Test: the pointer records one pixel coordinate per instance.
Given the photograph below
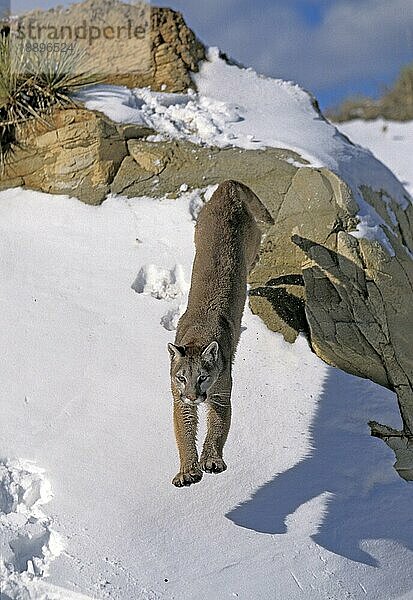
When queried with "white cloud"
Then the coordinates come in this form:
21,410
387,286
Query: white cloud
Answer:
362,39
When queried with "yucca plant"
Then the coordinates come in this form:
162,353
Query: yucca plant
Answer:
32,83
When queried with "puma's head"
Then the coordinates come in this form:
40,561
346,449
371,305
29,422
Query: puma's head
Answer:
194,372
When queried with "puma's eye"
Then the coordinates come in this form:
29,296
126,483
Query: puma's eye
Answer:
202,378
181,378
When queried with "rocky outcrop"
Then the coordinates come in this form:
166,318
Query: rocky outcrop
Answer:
86,155
128,44
175,50
352,296
357,293
78,155
358,307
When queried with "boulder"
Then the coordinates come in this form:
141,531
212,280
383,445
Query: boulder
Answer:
78,153
126,44
358,292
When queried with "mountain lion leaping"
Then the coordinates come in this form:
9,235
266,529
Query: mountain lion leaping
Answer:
227,241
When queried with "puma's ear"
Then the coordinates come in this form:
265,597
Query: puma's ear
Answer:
176,351
211,352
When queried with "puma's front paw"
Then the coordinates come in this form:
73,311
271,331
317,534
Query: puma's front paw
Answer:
188,476
212,464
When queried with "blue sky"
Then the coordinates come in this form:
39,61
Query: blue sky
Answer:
333,48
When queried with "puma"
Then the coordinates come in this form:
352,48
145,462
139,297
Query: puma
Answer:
227,242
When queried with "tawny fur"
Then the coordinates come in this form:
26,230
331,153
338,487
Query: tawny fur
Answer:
227,241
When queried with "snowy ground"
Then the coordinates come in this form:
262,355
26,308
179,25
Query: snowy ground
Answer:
390,141
310,506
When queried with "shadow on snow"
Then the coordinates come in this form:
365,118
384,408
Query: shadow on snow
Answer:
367,499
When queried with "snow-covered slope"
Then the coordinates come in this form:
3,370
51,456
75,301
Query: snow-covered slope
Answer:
309,506
237,107
390,141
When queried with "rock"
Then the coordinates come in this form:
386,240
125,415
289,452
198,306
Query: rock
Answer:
129,177
356,295
152,162
126,44
358,310
401,444
134,131
160,168
277,279
79,156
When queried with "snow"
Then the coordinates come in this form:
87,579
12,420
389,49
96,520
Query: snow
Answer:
238,107
310,506
164,284
28,543
161,283
369,229
390,141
